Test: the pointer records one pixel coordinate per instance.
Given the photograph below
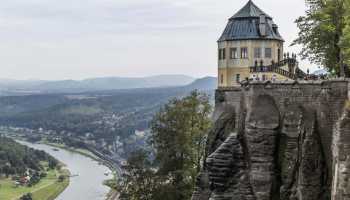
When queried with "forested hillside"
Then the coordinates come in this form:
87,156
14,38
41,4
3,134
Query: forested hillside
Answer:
107,119
16,159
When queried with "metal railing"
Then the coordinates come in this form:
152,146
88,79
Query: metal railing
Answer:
276,67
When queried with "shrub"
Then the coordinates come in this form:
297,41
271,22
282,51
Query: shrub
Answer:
27,197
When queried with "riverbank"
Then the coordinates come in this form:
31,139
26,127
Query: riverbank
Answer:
47,189
87,182
82,152
113,194
89,153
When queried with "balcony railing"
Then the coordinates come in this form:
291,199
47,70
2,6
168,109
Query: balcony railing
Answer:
276,67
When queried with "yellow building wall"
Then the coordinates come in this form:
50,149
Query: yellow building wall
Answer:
227,77
229,68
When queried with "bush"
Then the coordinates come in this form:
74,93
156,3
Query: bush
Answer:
61,178
27,197
43,175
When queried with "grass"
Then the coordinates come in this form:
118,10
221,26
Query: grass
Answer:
47,189
52,191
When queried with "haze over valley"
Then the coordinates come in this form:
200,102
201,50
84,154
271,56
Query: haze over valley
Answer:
175,100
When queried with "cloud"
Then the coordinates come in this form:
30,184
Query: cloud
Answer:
82,16
82,38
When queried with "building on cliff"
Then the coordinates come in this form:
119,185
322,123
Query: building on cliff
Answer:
251,47
273,140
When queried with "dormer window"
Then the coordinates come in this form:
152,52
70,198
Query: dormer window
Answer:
244,52
275,28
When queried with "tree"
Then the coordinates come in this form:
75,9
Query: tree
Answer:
322,32
345,41
61,178
138,181
178,136
27,197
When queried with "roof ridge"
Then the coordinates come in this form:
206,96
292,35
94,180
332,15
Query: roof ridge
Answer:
249,10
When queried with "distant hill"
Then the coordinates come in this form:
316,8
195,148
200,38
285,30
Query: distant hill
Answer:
104,114
206,83
15,104
94,84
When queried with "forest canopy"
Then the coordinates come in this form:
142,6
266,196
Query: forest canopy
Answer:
16,159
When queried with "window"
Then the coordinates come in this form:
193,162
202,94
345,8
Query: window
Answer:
238,78
222,54
257,53
222,79
233,53
268,53
244,52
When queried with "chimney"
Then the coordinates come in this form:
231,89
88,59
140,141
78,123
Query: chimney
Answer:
262,25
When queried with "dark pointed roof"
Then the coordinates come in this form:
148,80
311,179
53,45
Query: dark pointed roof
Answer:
244,25
250,10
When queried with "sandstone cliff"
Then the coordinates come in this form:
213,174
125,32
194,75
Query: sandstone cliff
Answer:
280,141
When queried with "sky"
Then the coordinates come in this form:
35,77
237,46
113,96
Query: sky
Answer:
77,39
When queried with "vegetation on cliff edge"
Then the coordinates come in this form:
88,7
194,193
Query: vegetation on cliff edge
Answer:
325,33
179,132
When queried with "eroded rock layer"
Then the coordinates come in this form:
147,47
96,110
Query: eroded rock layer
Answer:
287,141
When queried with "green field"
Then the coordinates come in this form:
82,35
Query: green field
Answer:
47,189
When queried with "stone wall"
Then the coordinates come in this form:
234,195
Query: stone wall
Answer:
278,141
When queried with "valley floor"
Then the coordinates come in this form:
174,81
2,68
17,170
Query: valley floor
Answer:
47,189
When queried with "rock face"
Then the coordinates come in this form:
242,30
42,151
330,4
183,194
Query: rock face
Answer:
280,141
341,153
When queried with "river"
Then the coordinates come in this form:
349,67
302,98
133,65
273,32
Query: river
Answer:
88,185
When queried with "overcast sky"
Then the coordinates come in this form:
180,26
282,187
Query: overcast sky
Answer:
76,39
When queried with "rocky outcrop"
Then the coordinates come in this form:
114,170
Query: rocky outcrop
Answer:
341,153
278,142
261,131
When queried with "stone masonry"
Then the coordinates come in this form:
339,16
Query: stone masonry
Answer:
279,141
